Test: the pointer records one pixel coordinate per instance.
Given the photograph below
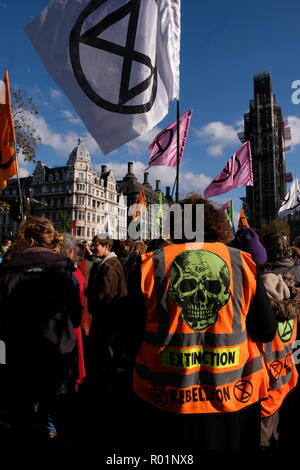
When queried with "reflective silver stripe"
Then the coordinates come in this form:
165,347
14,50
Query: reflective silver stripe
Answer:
268,349
282,380
202,377
276,355
237,274
160,278
195,339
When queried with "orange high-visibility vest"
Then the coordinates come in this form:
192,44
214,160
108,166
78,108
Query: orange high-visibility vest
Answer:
196,356
283,375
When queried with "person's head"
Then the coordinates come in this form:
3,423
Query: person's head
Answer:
246,239
101,245
276,245
216,224
38,232
69,246
296,242
138,248
7,243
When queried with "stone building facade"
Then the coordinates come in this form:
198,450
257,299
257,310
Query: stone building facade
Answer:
78,199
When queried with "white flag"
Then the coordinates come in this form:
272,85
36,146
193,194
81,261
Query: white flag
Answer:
291,202
116,60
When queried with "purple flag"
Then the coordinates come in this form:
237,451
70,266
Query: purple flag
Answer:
237,173
164,146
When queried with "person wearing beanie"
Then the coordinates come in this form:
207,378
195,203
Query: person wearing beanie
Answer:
246,239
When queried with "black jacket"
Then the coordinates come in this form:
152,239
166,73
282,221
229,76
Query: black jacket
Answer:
39,308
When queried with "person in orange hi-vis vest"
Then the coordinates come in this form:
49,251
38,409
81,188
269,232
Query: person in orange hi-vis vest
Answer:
199,376
280,278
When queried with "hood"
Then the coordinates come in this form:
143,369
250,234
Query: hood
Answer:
37,256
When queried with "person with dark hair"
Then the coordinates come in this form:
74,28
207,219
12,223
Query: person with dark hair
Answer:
105,292
198,376
157,243
40,307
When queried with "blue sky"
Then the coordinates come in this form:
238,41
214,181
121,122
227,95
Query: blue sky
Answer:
223,44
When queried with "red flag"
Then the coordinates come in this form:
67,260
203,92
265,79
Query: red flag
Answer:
74,228
237,173
164,146
8,165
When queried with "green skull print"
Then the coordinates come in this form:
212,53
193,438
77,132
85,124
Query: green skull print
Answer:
200,286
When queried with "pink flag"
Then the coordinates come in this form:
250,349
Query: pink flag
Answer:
237,173
164,146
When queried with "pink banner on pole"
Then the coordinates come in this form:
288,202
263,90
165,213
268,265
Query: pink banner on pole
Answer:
237,173
164,146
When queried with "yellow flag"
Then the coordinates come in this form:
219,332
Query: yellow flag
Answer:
8,165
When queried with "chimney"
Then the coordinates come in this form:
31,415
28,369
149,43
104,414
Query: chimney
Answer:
130,168
168,191
103,168
146,178
157,185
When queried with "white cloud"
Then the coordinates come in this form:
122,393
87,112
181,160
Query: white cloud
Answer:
218,136
68,115
55,94
294,123
63,143
141,144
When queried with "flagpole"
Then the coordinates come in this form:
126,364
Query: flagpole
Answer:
177,151
19,185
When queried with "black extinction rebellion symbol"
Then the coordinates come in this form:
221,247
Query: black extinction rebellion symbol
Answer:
162,142
5,165
92,39
243,390
275,369
285,330
159,395
229,171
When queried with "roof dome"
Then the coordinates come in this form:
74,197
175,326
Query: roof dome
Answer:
79,154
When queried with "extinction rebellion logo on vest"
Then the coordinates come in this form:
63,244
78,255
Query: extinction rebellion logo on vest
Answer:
135,63
285,330
241,391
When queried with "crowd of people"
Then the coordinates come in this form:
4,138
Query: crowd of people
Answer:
168,345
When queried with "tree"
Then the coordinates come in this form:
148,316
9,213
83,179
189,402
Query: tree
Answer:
276,225
27,136
64,223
